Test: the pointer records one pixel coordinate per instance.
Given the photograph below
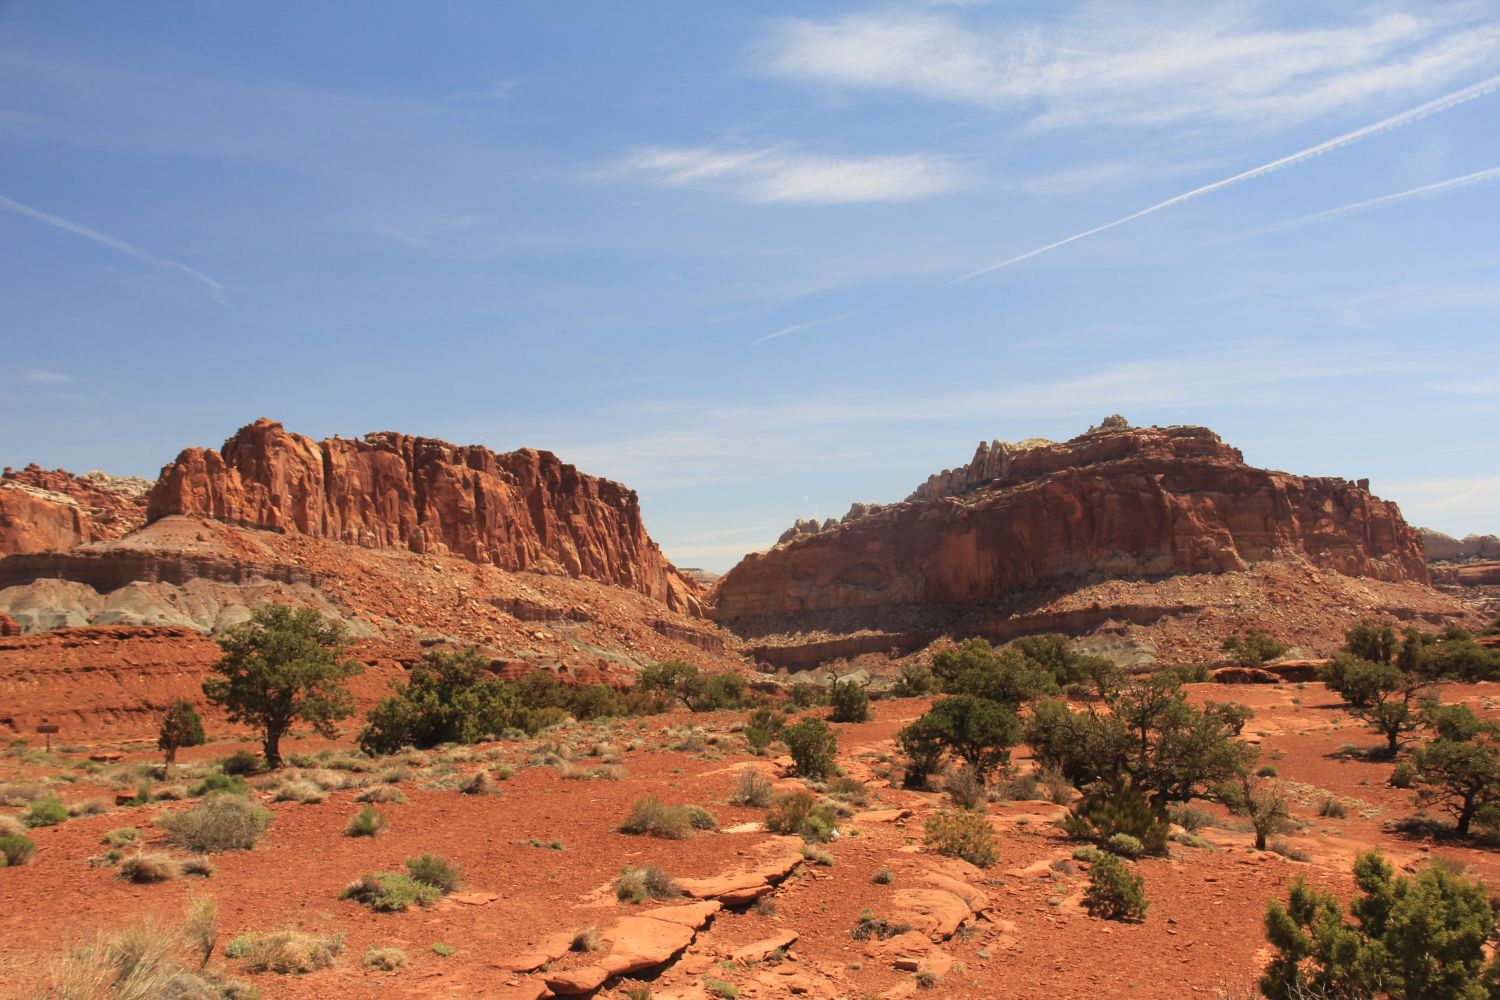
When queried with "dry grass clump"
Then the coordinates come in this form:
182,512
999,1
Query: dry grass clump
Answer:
220,822
291,789
385,959
144,869
89,807
427,878
652,817
11,827
285,951
147,961
963,834
16,849
366,823
481,783
641,884
586,940
381,795
751,788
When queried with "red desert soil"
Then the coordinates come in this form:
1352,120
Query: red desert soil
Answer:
1030,938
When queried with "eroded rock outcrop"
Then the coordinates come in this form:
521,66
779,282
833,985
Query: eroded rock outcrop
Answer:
49,510
520,510
1114,503
1446,548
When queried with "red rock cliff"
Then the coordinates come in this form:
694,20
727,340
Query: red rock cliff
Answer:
519,510
1115,503
44,510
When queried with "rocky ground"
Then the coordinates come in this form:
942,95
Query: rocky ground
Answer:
541,851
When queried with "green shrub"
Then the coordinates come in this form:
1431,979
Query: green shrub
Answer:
924,747
241,762
1253,648
1113,809
391,892
1124,845
801,814
1113,891
1404,775
978,731
436,871
850,700
219,823
366,823
1423,936
48,811
228,784
914,681
16,849
963,834
813,748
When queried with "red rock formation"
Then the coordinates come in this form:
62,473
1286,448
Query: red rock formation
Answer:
1113,503
521,510
52,511
8,626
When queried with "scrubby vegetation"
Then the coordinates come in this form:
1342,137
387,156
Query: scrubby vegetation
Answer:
813,748
850,701
1253,647
654,818
285,951
427,878
221,822
648,882
1423,936
962,834
802,814
1114,892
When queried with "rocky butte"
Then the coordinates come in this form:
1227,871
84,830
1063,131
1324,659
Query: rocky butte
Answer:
1021,524
519,510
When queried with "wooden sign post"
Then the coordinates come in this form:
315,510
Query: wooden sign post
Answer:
48,729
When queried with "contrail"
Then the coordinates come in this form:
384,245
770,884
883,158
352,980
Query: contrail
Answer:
1386,199
214,288
796,327
1432,107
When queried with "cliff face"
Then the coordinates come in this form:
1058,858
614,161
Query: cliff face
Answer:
521,510
44,510
1117,502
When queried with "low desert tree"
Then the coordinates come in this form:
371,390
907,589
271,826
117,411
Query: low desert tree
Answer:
1148,733
913,681
1004,675
447,698
851,703
180,727
1114,892
923,746
1419,937
283,665
1233,714
978,731
673,679
1461,777
1371,641
812,746
1252,648
1386,696
1264,802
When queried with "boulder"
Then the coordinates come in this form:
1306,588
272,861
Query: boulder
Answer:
763,949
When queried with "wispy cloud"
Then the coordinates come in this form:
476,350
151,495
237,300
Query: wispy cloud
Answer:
38,377
1116,66
778,175
1425,190
1432,107
214,288
799,327
500,90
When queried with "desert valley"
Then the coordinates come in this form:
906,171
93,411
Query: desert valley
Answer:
722,786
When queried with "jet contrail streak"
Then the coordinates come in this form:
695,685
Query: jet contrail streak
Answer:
1476,177
1432,107
214,288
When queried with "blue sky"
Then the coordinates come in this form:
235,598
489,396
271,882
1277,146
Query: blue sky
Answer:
741,256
